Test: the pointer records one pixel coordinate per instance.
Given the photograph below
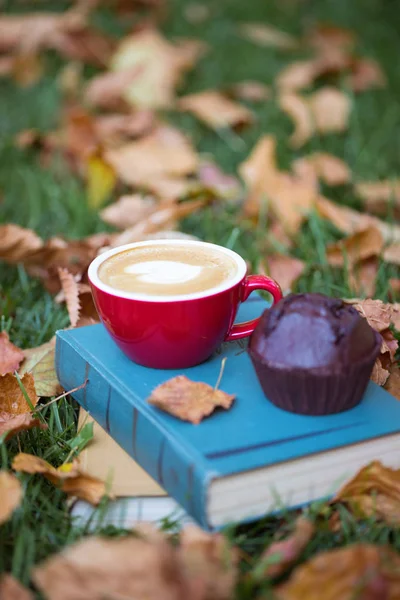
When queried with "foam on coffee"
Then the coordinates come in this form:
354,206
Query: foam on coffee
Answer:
167,270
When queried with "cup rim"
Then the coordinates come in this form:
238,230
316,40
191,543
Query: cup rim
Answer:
96,281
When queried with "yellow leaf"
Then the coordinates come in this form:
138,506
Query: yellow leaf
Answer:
40,363
101,180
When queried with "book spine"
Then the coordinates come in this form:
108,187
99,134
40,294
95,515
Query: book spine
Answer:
179,471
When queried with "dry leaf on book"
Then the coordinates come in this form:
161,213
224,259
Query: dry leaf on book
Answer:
189,400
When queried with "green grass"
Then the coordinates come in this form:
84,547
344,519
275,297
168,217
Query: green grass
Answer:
52,201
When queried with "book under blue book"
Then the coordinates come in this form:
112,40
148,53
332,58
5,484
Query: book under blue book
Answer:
236,465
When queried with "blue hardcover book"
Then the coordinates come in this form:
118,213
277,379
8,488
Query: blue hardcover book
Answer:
236,465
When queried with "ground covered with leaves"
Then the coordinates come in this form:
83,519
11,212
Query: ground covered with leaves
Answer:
268,127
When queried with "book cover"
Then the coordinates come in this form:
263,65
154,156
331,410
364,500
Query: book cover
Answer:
237,464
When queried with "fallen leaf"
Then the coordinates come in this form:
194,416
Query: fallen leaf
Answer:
325,111
100,181
128,210
114,129
349,220
252,91
165,152
40,362
10,497
209,564
371,572
212,179
395,316
85,45
27,69
142,566
394,286
330,109
107,89
393,382
325,37
380,196
298,109
288,196
296,76
373,491
366,74
280,555
16,243
163,217
363,244
11,589
68,477
321,165
160,66
285,269
71,293
379,374
215,109
266,35
10,355
377,313
362,277
12,424
12,399
189,400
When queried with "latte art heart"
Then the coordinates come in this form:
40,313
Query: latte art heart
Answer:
164,272
167,269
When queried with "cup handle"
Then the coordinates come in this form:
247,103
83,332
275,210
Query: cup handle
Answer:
250,284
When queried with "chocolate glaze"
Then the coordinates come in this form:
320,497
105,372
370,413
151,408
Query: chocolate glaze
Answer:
310,331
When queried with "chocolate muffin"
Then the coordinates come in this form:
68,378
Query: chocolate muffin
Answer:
313,354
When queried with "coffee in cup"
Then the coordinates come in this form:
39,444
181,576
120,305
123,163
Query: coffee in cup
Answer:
168,269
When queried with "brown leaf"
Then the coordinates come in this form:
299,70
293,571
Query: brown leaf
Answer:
266,35
377,313
379,374
114,129
209,564
366,74
107,89
68,477
10,497
215,109
321,165
373,491
379,196
11,589
285,269
349,220
27,69
330,110
279,556
10,355
159,67
165,217
371,572
71,293
40,362
12,424
288,196
12,399
217,182
362,277
189,400
391,254
297,108
143,566
298,75
128,210
252,91
393,382
166,152
325,37
363,244
16,243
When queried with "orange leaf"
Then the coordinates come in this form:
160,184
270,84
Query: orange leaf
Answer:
215,109
266,35
363,244
285,269
321,165
371,572
189,400
10,355
279,556
11,589
12,399
71,293
10,496
68,477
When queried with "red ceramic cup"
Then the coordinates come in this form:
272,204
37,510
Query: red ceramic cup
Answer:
175,332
